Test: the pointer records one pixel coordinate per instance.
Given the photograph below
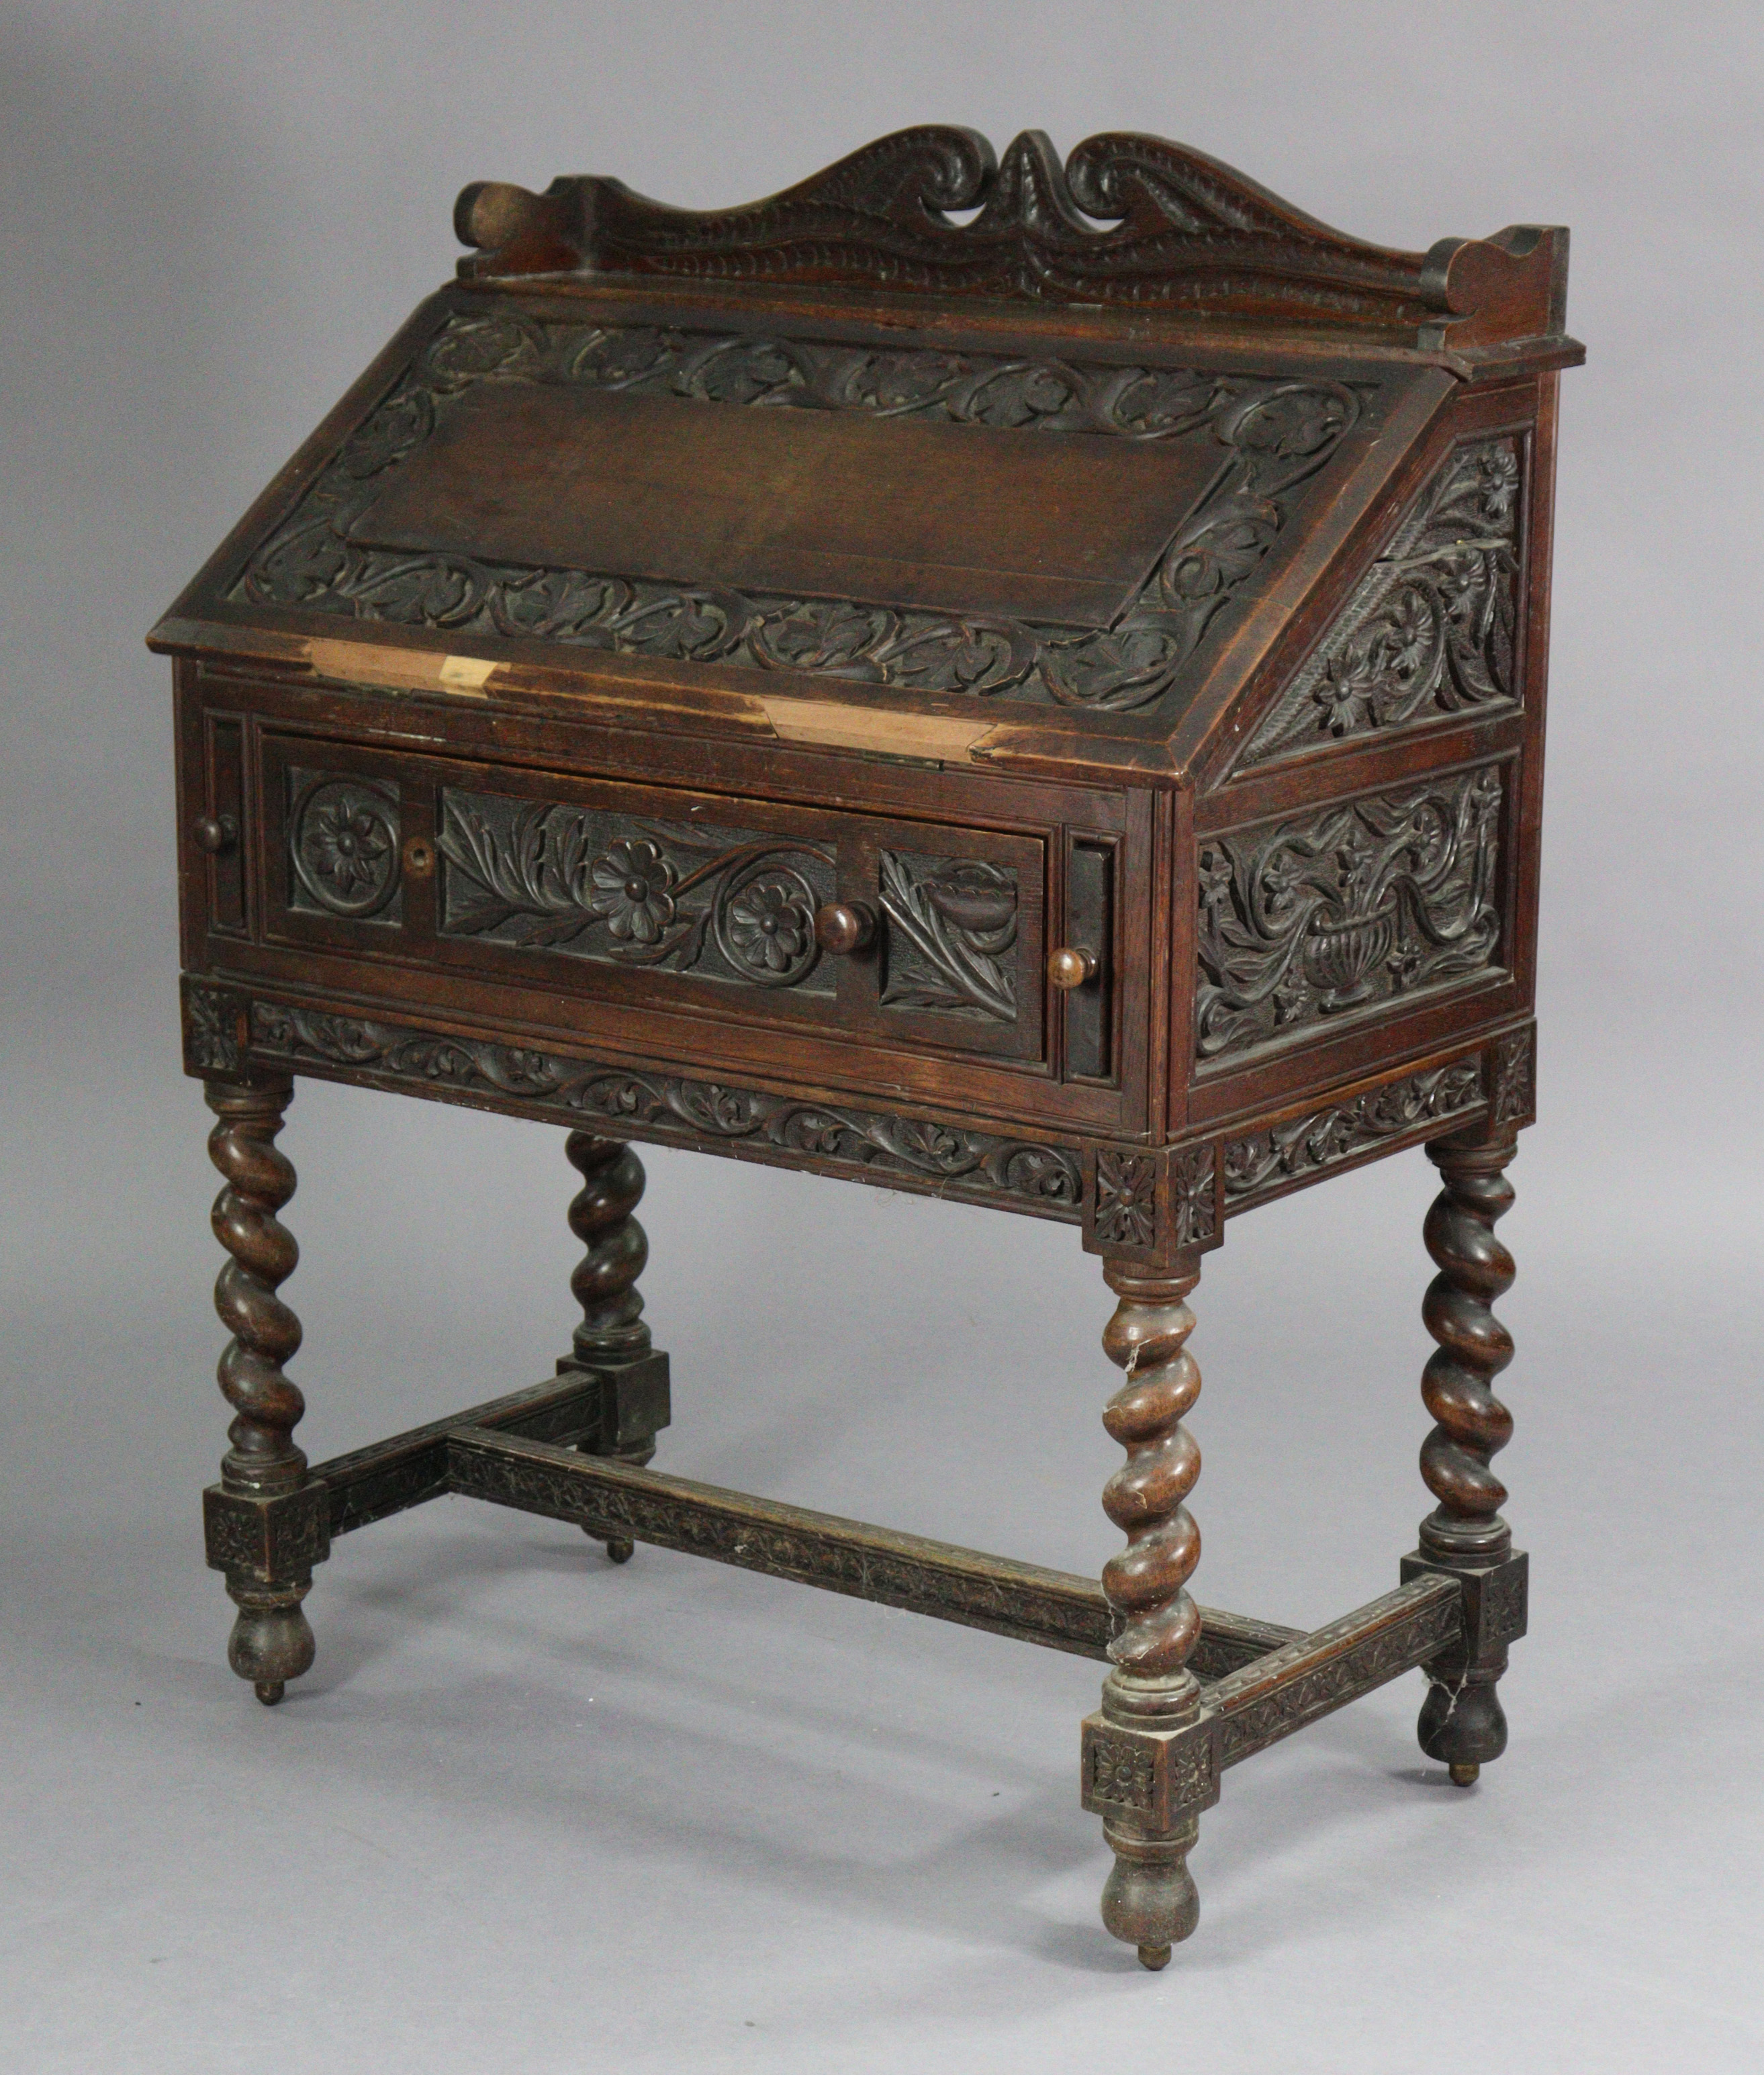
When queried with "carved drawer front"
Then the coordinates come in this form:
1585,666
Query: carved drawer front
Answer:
658,897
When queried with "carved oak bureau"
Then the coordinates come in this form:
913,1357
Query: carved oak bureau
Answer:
1044,709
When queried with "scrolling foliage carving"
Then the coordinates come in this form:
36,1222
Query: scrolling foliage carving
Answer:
726,904
1348,906
1272,436
953,922
1016,1174
1431,629
1306,1145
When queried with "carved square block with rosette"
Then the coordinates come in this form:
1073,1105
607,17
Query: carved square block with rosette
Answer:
1495,1601
276,1540
1512,1076
1156,1206
1150,1776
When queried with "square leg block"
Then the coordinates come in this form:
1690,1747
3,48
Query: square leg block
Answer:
635,1402
1151,1777
1494,1600
274,1540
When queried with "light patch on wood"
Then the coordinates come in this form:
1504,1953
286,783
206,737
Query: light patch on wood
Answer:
465,673
401,670
828,724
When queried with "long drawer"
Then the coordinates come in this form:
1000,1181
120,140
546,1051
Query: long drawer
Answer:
660,897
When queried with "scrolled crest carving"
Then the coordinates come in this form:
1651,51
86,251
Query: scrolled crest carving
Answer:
1127,220
1431,629
1305,921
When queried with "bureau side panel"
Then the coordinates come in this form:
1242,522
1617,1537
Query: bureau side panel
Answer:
1364,862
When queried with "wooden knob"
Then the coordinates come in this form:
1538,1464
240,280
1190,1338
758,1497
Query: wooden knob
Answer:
215,833
844,926
1068,967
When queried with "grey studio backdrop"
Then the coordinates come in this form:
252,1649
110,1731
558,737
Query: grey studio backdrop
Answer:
532,1813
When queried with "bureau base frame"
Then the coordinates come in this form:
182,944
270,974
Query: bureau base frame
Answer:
1190,1691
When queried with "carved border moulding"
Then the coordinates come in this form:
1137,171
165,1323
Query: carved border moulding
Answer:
1432,629
973,1166
1278,1694
1272,437
1303,923
1127,220
727,904
1285,1154
1055,1608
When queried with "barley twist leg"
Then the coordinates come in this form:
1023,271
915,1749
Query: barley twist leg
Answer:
1462,1721
263,1473
1150,1765
612,1338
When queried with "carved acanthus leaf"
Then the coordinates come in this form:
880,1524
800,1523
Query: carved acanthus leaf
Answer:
952,923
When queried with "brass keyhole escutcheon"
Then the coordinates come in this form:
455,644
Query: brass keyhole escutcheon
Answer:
419,858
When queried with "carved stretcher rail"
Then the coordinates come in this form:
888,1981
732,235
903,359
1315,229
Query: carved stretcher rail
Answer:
370,1484
1056,1608
1314,1675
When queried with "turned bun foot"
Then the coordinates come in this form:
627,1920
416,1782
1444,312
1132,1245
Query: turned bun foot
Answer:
1465,1775
619,1551
1462,1726
272,1641
1149,1900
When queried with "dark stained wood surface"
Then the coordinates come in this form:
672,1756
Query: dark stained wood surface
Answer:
963,518
1044,710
